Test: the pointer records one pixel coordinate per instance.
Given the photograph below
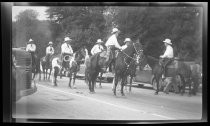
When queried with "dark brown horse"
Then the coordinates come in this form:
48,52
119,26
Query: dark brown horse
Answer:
46,65
122,63
36,66
132,68
93,66
182,71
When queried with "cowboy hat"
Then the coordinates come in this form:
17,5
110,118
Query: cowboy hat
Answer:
99,41
127,40
67,39
168,41
30,40
114,30
50,43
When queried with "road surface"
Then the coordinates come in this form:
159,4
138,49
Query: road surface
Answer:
62,102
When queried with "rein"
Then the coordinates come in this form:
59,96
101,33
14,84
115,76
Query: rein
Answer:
130,56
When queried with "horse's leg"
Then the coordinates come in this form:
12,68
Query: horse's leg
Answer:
122,85
115,84
130,83
39,75
74,78
190,90
90,83
70,75
49,74
44,73
195,85
183,85
93,83
61,72
56,70
100,79
157,81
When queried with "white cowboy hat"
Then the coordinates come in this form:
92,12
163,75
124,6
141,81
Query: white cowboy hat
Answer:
167,41
99,41
30,40
50,43
114,30
127,40
67,39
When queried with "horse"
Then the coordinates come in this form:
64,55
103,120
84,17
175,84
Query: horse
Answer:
36,66
46,65
56,66
93,66
75,65
123,62
132,69
180,72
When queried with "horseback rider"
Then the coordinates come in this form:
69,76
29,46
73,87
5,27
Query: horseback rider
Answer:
66,49
167,56
31,48
97,47
112,45
49,51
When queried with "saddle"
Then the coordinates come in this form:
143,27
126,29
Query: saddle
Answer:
173,64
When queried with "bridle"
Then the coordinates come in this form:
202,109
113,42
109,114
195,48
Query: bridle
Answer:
138,52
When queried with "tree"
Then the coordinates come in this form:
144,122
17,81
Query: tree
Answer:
83,24
183,25
26,21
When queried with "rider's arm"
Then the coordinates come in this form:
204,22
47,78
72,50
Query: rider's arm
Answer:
124,47
92,50
117,44
53,50
47,50
27,48
71,50
62,48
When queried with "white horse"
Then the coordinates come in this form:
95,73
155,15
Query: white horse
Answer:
56,66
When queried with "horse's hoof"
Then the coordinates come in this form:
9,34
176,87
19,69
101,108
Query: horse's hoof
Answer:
123,94
156,93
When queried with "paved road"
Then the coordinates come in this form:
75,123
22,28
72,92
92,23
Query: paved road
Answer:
141,104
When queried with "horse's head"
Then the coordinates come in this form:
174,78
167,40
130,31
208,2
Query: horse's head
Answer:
138,52
80,54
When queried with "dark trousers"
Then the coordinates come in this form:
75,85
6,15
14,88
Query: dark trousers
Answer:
166,62
111,51
33,58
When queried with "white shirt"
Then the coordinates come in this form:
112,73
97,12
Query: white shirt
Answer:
113,41
66,48
31,47
169,53
124,47
49,50
96,48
